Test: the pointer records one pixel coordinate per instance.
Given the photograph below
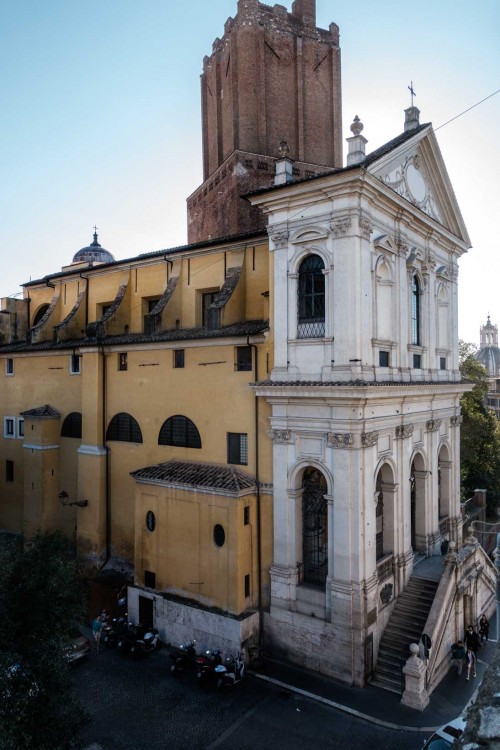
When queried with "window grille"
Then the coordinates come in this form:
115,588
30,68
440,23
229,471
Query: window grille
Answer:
237,448
379,520
178,358
311,298
179,431
72,425
243,358
125,428
314,528
415,311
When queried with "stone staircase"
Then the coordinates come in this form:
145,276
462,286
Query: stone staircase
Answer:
406,625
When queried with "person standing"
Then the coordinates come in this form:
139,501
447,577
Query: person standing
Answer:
457,654
472,640
484,628
470,660
97,626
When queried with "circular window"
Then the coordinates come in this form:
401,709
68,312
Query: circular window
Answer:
150,520
219,535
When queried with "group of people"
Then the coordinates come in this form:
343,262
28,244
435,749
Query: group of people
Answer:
465,652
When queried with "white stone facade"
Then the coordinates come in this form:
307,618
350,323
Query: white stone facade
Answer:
366,395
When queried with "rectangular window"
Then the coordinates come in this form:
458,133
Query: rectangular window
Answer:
247,586
442,363
237,448
122,361
246,515
417,361
9,471
20,427
178,358
383,359
243,358
9,366
152,323
149,579
209,317
9,427
75,364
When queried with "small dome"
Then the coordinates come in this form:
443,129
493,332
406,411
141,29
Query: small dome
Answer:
94,253
489,356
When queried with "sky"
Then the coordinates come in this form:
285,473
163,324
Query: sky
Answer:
101,120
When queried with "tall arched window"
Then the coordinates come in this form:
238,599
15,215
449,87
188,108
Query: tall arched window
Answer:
415,311
124,427
179,431
311,298
314,527
72,425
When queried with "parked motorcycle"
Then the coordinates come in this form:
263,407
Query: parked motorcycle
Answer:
183,657
206,666
230,673
114,631
131,633
146,641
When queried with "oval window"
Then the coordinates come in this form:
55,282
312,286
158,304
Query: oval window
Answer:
150,520
219,535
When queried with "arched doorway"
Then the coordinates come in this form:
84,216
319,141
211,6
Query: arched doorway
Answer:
384,514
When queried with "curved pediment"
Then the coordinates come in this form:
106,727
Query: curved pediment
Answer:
309,235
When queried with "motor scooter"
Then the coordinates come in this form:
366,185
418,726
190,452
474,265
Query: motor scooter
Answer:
183,657
146,641
206,666
230,673
114,631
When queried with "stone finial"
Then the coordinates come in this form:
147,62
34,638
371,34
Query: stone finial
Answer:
356,143
284,150
284,167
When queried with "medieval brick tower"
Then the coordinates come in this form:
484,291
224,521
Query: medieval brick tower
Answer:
274,77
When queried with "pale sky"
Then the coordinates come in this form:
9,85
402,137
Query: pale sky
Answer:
101,120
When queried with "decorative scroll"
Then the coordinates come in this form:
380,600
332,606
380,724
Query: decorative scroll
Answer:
368,439
340,226
280,436
339,440
433,425
404,431
280,238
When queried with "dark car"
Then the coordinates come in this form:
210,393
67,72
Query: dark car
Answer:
76,647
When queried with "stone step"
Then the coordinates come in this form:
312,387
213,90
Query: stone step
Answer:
393,687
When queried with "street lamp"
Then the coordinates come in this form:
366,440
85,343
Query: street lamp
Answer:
64,500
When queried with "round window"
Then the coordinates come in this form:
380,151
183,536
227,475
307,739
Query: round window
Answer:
219,535
150,520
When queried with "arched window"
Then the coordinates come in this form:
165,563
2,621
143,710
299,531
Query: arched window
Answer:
39,314
124,427
314,528
379,517
179,431
72,425
311,298
415,311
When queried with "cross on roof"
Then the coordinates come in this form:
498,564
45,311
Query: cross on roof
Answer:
412,92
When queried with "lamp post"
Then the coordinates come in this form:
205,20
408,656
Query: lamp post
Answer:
64,500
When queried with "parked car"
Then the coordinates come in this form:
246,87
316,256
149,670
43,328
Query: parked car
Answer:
77,646
443,738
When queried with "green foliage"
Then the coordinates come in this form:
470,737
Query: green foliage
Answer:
40,597
480,433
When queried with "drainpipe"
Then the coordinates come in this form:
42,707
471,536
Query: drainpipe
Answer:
106,489
87,285
257,483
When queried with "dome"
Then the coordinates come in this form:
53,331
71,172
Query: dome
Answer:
489,356
94,253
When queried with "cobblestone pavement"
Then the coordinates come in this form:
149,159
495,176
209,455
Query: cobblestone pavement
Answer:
136,704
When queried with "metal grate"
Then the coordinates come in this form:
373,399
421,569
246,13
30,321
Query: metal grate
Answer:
125,428
179,431
314,528
311,298
72,425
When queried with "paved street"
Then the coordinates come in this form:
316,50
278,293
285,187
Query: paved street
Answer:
139,704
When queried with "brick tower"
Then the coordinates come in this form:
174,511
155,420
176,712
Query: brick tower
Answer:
273,77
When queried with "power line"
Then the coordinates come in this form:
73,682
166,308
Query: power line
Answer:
467,110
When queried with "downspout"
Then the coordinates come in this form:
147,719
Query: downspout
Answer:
87,285
106,489
257,484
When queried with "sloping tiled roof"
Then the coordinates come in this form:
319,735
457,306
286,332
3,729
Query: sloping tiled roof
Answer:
192,474
40,412
352,383
245,328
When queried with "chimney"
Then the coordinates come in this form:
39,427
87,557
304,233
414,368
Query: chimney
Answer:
284,168
412,121
305,10
356,143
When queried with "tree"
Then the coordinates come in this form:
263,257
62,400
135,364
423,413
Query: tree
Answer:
40,597
480,433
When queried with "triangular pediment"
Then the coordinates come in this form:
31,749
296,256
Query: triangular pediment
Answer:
415,170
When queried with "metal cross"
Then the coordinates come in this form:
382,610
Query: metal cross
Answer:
95,229
412,92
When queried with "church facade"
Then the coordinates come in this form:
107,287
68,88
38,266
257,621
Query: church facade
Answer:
265,425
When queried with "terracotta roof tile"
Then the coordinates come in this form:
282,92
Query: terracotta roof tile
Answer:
193,474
